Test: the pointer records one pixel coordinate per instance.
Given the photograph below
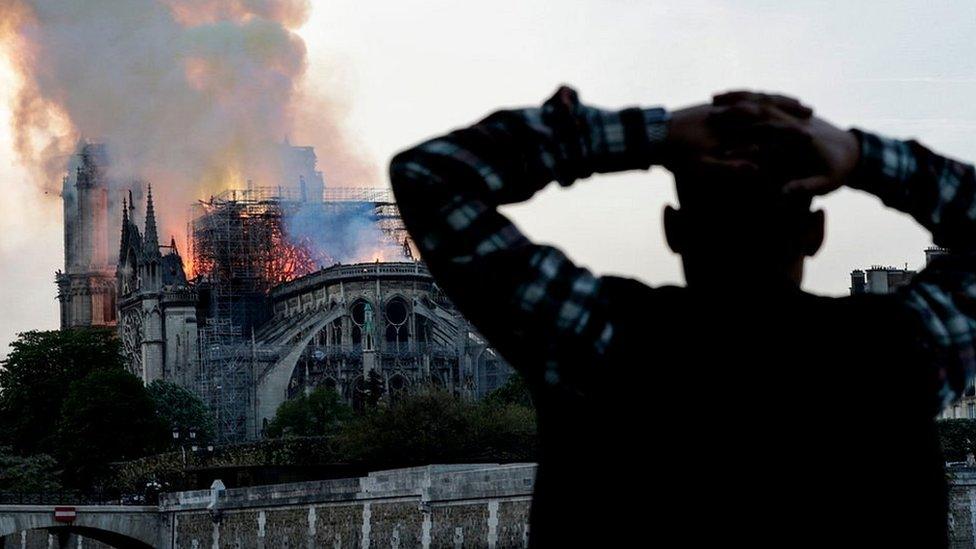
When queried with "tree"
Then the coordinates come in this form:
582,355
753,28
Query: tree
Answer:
957,437
320,413
503,432
178,407
107,416
514,391
32,474
434,426
36,375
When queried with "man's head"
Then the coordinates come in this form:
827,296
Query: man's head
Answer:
739,230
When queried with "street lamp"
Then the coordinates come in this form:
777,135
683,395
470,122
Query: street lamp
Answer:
176,440
188,439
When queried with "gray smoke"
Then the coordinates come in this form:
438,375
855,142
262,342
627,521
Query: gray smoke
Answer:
347,233
191,95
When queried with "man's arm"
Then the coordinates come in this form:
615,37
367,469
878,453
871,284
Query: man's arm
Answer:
941,195
938,192
529,300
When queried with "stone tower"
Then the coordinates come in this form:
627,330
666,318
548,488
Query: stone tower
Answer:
157,306
86,287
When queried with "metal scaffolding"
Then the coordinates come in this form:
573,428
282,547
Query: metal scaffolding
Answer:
240,250
225,382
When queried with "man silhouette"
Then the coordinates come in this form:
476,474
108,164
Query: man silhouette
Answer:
739,409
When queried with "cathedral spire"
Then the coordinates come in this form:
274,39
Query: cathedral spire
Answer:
151,239
125,230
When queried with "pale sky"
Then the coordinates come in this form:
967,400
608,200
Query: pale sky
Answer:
408,70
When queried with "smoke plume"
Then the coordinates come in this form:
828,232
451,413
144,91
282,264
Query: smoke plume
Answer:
348,234
190,95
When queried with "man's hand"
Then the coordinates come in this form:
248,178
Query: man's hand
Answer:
694,141
839,152
824,155
715,136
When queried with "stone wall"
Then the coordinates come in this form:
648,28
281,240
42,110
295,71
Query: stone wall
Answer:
432,506
962,508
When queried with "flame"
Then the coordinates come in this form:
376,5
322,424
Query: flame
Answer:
189,267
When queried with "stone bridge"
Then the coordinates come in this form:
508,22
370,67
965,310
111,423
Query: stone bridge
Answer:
126,527
432,506
465,505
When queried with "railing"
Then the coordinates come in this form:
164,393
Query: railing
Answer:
292,193
75,498
385,349
345,272
358,194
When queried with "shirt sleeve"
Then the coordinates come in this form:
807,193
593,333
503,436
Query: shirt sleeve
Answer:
532,302
940,194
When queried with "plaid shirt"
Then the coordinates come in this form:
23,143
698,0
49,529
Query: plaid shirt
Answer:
941,195
533,303
529,300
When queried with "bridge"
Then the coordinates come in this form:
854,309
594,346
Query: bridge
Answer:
474,505
122,526
478,505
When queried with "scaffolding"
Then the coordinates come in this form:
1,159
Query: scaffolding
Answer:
226,376
240,250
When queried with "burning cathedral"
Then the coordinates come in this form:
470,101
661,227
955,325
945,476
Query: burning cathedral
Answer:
276,290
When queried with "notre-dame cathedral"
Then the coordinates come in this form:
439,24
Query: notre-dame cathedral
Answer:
260,321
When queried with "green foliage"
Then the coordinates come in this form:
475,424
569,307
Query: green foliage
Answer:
503,433
107,416
32,474
320,413
514,391
430,426
958,438
178,407
36,375
433,426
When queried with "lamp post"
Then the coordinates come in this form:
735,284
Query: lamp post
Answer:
192,440
186,438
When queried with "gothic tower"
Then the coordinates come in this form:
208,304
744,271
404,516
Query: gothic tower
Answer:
157,306
151,275
86,289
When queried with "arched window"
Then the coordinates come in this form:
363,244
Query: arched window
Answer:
364,319
397,333
396,311
358,314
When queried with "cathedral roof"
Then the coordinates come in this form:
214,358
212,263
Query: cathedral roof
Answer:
131,238
173,273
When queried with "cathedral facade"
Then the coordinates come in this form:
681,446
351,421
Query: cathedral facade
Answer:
156,304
